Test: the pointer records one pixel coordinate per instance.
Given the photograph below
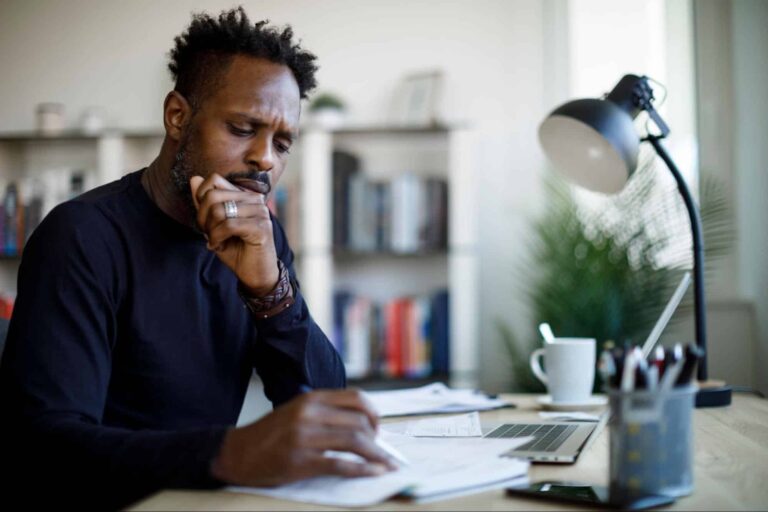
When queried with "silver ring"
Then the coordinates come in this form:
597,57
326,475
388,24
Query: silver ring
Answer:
230,209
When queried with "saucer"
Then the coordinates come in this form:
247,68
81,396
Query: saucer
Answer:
590,403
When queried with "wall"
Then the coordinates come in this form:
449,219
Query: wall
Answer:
750,76
732,69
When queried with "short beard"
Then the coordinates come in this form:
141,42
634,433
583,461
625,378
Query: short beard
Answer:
181,172
186,165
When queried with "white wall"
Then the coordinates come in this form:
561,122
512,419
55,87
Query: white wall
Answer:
750,76
732,69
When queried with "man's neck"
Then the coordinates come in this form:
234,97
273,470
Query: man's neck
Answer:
158,184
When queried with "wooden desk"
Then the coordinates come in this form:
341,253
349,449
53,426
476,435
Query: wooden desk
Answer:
731,469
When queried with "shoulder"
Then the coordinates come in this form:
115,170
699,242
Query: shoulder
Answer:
90,212
85,228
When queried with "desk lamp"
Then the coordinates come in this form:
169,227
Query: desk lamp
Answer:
593,142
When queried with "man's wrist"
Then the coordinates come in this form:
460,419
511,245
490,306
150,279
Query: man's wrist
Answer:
278,299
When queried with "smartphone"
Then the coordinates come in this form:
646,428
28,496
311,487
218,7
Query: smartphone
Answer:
595,495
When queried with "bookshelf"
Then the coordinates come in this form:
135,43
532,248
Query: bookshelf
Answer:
44,165
386,152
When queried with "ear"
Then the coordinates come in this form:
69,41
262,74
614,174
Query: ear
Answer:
176,114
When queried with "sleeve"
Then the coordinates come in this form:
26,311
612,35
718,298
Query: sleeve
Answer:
55,374
291,350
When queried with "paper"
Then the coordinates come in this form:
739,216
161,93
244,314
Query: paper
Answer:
337,491
464,425
433,398
570,416
450,465
440,467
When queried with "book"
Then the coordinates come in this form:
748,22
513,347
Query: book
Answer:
402,337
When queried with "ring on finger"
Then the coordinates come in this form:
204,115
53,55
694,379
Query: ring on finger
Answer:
230,209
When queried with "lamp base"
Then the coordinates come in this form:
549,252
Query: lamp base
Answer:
713,393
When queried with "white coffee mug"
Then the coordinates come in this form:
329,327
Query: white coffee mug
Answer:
570,364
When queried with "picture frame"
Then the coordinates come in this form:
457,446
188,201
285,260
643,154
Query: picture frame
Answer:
417,99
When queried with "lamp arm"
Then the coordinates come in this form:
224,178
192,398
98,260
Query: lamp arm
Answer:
698,253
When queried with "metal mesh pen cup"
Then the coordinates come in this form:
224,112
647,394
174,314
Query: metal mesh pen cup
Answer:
651,443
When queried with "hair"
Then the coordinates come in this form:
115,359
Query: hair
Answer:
204,51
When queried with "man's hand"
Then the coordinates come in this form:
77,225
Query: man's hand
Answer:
288,444
245,243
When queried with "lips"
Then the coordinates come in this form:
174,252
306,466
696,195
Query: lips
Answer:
252,185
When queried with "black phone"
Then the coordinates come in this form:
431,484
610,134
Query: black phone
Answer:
595,495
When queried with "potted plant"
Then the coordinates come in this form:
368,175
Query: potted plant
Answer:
327,110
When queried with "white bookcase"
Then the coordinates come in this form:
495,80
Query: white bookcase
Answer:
385,152
101,158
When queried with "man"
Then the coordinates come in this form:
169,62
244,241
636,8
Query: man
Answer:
145,304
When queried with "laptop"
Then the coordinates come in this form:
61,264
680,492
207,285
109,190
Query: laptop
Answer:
553,441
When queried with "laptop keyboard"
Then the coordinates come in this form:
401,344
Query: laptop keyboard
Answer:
546,438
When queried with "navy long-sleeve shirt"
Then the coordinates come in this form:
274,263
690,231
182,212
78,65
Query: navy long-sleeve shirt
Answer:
130,351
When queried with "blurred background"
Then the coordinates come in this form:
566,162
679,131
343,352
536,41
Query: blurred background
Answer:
425,220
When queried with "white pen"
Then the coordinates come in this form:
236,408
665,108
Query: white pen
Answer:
392,451
628,375
672,371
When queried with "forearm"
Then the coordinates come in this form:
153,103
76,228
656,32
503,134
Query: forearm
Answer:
292,352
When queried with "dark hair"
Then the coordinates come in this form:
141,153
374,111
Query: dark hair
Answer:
208,45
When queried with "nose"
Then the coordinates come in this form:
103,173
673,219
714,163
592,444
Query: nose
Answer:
260,154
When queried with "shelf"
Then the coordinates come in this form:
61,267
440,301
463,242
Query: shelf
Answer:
385,129
76,135
10,257
353,254
381,383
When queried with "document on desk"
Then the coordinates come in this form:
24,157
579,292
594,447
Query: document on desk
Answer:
430,399
464,425
438,467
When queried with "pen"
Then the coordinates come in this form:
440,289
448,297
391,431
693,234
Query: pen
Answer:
391,450
618,362
653,378
628,373
607,368
659,356
692,355
641,371
672,368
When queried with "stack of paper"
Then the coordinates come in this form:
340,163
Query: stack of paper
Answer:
438,468
433,398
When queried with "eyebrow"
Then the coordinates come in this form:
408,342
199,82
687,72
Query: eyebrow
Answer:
255,121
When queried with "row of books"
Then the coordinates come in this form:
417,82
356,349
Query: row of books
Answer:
6,306
403,338
18,219
25,204
406,214
284,204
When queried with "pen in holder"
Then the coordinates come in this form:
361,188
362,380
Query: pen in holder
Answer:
651,442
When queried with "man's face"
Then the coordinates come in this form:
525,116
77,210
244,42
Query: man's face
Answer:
244,129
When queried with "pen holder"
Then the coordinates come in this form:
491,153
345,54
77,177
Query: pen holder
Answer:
651,443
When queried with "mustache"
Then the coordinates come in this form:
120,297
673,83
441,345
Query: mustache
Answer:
262,177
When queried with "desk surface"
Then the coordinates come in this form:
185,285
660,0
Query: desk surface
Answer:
731,469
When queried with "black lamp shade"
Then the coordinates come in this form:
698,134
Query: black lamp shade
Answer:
592,142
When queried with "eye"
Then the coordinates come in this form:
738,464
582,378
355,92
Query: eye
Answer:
282,147
239,131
